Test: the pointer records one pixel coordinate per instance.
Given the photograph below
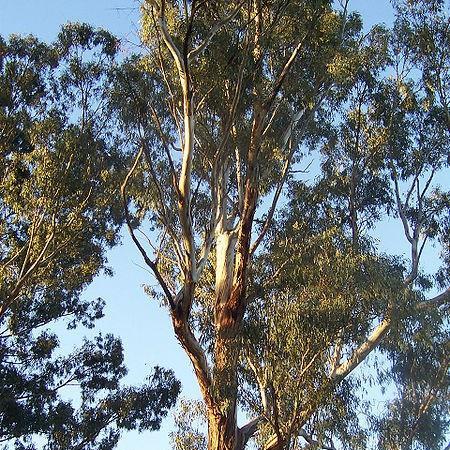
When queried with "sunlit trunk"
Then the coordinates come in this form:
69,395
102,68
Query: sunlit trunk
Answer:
222,432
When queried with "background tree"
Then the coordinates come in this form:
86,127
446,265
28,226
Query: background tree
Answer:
59,174
276,310
190,422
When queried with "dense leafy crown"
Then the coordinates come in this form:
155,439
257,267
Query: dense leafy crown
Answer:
59,174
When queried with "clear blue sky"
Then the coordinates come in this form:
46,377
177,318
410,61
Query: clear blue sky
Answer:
143,327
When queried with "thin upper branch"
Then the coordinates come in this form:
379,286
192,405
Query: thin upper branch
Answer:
286,139
215,28
136,241
176,54
260,379
400,207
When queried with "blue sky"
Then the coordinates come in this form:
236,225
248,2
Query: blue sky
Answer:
144,328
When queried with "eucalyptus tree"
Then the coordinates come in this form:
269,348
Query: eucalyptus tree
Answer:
275,288
59,172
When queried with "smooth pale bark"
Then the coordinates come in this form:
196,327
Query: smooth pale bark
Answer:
361,353
229,312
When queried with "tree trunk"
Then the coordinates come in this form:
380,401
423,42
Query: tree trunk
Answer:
223,429
222,432
222,424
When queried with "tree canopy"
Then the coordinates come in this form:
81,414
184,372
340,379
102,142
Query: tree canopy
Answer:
60,173
253,149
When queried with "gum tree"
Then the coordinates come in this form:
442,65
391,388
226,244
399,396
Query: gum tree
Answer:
275,288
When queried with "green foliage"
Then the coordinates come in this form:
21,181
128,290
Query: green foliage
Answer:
59,174
143,84
190,421
417,417
371,110
326,296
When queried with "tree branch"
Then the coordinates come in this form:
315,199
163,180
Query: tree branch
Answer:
360,354
196,355
247,431
136,241
400,209
312,443
435,302
286,138
176,54
377,335
216,27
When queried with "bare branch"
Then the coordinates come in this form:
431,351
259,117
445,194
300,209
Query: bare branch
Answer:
208,240
165,143
196,355
286,138
337,354
284,72
379,333
435,302
173,108
26,272
262,385
230,125
312,443
13,257
239,177
248,430
427,185
171,46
